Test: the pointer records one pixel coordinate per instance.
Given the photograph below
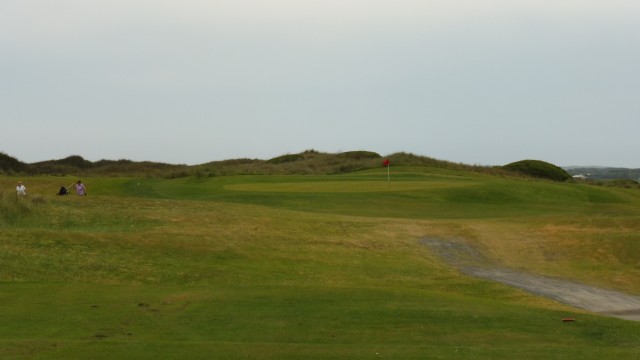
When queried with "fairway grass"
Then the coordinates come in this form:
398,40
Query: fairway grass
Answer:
295,267
292,322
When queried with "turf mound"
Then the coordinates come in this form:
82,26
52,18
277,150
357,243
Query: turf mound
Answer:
539,169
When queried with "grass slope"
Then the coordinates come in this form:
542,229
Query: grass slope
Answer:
290,267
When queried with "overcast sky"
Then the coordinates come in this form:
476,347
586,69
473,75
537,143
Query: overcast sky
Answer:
192,81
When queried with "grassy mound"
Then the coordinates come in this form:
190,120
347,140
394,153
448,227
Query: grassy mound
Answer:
539,169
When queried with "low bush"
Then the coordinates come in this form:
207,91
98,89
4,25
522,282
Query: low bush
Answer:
538,169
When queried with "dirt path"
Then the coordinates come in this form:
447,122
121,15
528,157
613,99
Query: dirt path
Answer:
469,261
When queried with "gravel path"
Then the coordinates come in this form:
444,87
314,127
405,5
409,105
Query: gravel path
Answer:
469,261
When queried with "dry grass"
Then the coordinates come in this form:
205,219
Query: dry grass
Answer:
601,252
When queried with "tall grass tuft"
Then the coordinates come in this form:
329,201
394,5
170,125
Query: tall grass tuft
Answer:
15,208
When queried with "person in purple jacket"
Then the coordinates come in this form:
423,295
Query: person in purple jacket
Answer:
81,190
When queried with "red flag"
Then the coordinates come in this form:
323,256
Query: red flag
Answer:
385,162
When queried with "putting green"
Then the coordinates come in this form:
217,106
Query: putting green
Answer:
346,186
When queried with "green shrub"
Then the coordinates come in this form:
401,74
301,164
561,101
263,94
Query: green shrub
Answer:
539,169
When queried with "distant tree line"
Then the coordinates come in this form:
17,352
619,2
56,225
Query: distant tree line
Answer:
606,173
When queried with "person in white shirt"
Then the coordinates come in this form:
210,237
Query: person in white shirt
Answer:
21,189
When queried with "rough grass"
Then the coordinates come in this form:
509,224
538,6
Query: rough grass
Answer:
14,208
309,267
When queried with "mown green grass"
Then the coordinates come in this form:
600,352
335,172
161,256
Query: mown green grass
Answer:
292,267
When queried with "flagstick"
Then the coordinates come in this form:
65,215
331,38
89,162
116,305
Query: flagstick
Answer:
389,176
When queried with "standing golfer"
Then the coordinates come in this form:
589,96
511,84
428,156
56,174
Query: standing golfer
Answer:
81,190
21,189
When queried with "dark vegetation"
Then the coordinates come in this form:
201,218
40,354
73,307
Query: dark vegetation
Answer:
10,164
309,162
77,165
539,169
